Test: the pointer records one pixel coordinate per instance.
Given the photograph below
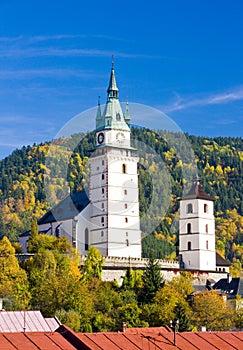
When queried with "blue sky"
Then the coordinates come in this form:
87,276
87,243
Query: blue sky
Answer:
183,57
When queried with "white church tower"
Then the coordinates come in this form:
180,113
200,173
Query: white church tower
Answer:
113,192
197,230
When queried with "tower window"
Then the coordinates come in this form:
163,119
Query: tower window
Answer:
125,192
124,168
205,208
86,239
126,234
102,233
127,242
207,245
102,190
102,205
103,176
189,208
189,245
189,228
125,205
206,228
103,162
102,219
126,220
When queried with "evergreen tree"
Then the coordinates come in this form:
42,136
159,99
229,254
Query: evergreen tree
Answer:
152,280
182,315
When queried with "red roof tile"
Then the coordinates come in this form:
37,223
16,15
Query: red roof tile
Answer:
148,329
216,341
34,341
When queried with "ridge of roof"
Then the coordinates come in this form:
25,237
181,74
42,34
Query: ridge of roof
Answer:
197,192
67,208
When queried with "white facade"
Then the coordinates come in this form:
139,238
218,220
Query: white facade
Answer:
197,232
113,188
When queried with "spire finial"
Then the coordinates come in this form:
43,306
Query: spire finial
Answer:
112,62
112,89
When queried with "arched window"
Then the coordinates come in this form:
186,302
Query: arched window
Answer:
189,208
125,205
205,208
124,168
103,176
126,220
189,245
103,190
125,192
127,242
206,228
102,219
189,227
207,245
86,239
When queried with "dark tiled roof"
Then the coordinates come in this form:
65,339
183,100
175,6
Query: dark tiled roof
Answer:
221,261
197,192
229,287
68,208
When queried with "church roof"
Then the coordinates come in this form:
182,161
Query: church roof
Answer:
197,192
112,117
68,208
221,261
231,287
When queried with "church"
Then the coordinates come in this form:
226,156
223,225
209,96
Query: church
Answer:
108,216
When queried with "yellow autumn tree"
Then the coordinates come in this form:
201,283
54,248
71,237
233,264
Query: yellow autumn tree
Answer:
13,279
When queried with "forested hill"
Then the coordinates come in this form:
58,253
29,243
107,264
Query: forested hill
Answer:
219,161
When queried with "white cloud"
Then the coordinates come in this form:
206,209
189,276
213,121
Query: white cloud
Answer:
30,73
215,99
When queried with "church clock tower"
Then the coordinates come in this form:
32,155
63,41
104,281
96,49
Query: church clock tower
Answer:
197,229
114,182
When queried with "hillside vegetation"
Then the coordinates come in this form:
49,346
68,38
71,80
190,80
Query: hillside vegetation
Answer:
30,183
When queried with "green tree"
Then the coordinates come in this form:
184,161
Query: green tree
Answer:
163,307
183,315
212,311
152,281
70,318
93,264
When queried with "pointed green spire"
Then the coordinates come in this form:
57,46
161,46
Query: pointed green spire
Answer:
127,115
112,88
99,118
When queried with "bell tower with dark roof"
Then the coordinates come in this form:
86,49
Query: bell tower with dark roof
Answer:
197,229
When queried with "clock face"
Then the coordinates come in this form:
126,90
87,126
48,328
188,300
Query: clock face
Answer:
100,138
120,137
